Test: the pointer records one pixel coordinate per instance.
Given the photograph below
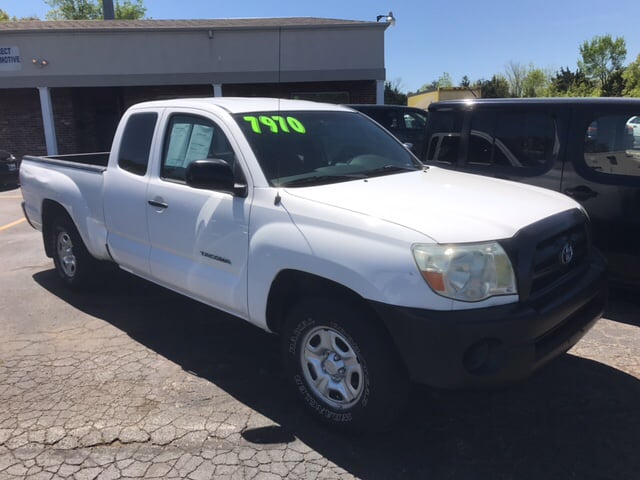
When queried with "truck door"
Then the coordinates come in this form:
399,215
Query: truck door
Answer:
125,188
199,238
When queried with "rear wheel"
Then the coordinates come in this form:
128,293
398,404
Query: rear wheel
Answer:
73,262
343,365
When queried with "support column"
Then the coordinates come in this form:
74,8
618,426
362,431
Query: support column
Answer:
380,92
217,90
48,121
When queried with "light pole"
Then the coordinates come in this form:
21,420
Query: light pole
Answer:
107,10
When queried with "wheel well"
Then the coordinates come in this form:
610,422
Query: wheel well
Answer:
50,210
290,285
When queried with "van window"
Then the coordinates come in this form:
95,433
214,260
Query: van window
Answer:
444,143
612,145
512,139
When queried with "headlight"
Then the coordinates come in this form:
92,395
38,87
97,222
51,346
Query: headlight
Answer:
467,272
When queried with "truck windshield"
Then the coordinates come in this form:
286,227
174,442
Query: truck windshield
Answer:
303,148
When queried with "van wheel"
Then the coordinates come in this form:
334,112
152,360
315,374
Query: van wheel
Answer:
73,262
342,365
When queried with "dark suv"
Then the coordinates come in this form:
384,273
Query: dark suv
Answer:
587,148
407,124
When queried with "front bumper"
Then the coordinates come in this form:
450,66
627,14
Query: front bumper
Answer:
497,345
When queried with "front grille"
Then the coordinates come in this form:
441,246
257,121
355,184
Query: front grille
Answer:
548,265
537,252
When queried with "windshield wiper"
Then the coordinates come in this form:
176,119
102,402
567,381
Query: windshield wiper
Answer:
322,179
391,169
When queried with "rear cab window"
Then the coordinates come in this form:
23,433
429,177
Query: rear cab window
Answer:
135,145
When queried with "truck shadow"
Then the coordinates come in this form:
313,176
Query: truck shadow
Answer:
575,419
624,306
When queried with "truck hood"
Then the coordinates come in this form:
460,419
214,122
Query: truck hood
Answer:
446,206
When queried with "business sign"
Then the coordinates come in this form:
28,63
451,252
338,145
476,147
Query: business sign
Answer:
10,59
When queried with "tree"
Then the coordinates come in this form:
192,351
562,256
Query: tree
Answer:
497,87
601,57
515,75
92,9
535,83
443,80
393,95
128,10
4,17
631,77
465,82
569,84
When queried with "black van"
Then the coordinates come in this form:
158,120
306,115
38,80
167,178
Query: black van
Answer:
587,148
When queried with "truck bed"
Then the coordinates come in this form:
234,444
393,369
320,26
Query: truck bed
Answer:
89,161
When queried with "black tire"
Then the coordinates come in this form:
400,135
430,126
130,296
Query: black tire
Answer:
74,264
343,365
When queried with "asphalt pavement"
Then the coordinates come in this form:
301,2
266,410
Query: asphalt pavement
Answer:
132,381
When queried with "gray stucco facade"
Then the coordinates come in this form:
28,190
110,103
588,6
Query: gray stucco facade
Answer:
338,60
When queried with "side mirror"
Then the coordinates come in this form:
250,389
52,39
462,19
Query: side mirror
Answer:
214,174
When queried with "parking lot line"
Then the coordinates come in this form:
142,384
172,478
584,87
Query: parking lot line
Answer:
12,224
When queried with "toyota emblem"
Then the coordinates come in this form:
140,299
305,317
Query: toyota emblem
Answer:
566,254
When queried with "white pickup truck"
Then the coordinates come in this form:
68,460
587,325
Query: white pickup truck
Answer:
313,222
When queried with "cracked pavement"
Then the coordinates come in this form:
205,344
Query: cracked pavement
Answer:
132,381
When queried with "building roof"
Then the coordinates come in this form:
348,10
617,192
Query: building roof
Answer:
215,24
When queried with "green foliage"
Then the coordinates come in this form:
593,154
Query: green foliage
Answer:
128,10
393,95
601,57
497,87
92,10
4,17
631,77
569,84
443,80
535,83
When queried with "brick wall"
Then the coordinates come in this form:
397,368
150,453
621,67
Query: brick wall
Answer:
86,118
21,130
363,91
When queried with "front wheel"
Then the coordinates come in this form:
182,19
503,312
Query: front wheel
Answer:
343,365
73,262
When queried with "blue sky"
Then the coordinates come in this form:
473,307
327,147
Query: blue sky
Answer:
461,37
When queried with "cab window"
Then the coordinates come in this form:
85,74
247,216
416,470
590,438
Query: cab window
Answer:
191,138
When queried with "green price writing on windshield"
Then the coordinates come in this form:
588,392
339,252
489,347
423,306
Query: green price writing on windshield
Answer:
275,124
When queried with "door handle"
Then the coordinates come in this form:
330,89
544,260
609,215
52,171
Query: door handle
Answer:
157,204
581,192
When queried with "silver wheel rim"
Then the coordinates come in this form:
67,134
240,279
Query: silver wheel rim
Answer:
332,368
64,247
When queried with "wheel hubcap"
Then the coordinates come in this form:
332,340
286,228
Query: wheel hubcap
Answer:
65,254
332,368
